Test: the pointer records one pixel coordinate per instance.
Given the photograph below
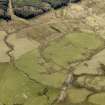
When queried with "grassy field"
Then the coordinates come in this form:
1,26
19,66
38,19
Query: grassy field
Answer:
32,80
72,47
16,88
60,53
33,64
43,54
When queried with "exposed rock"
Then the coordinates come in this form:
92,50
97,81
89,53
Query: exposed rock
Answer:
3,9
75,1
56,3
28,11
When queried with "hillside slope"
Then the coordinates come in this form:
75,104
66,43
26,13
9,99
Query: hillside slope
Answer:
57,58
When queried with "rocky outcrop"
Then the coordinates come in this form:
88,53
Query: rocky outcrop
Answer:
29,8
59,3
56,3
3,9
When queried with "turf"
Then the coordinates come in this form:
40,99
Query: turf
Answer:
32,63
32,80
73,47
17,88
